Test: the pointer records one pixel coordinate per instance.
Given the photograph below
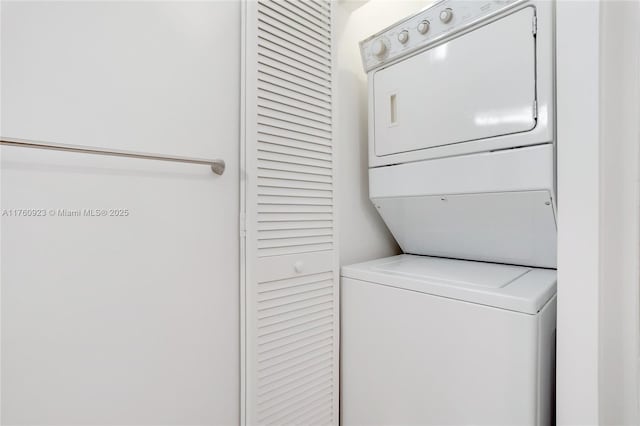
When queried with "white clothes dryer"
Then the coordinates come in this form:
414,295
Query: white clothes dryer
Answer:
480,78
461,130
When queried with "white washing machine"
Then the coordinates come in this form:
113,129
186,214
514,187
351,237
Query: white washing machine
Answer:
432,341
461,328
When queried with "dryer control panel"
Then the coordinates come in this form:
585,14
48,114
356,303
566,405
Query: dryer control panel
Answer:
426,27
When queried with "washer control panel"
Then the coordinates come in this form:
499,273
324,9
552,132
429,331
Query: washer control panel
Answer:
426,27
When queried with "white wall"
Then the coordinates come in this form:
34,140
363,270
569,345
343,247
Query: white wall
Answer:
598,135
131,319
578,212
619,213
126,75
363,235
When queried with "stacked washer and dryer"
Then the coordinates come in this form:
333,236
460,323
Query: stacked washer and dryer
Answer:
461,328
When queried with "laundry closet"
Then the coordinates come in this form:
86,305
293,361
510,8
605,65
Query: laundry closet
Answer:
320,212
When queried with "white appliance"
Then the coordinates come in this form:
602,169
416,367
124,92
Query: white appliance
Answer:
430,341
461,131
462,166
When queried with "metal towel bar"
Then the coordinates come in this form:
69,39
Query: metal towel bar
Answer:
217,165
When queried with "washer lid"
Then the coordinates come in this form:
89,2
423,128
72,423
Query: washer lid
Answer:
515,288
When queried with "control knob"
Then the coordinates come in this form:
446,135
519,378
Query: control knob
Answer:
403,37
423,27
379,48
446,15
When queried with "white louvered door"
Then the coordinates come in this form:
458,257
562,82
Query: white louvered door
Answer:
290,321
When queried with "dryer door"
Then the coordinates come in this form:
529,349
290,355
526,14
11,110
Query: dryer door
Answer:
479,85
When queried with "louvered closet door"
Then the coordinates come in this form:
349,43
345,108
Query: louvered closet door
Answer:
291,323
